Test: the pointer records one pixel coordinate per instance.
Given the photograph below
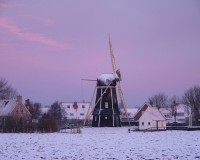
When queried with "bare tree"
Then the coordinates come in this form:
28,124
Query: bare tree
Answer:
191,97
6,90
174,100
34,108
56,112
158,100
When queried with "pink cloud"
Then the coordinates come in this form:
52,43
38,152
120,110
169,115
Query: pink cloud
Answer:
27,36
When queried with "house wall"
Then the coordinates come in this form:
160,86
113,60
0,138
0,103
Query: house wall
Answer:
160,124
75,113
182,113
145,121
20,111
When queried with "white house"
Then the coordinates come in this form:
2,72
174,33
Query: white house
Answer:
75,110
167,113
179,113
150,118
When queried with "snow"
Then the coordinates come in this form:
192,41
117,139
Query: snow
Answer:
101,143
106,78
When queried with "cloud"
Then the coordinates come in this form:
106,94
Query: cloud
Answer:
27,36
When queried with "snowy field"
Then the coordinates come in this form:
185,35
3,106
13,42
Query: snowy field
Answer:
101,143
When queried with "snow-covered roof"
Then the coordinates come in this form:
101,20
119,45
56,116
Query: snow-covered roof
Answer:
165,110
6,107
44,110
106,79
153,111
182,108
132,111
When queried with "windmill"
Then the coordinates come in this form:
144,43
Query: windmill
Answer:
106,112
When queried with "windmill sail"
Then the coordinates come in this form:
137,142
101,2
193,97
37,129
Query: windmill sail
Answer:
118,76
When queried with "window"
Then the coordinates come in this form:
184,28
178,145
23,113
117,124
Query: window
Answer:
106,117
71,114
106,104
83,106
149,123
95,118
68,106
180,114
82,114
22,110
17,111
142,123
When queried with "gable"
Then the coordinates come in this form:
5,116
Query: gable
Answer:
140,112
20,109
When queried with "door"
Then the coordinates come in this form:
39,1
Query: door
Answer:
157,125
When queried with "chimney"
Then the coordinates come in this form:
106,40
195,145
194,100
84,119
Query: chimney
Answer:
19,99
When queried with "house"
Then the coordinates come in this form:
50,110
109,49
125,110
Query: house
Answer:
178,113
167,113
150,118
75,110
15,109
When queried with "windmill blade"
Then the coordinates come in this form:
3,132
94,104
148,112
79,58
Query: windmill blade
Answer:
118,75
88,111
112,57
122,99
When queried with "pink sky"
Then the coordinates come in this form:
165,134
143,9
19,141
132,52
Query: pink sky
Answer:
47,47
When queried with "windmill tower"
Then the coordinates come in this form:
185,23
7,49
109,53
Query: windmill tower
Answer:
106,111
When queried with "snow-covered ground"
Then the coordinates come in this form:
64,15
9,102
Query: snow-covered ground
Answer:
101,143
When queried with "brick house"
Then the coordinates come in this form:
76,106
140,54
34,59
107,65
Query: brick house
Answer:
14,109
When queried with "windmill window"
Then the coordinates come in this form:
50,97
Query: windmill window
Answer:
82,114
68,106
83,106
71,114
95,118
22,110
142,123
180,114
149,123
106,117
17,111
106,104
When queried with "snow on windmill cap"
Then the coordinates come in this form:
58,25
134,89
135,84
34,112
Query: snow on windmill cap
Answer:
106,79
